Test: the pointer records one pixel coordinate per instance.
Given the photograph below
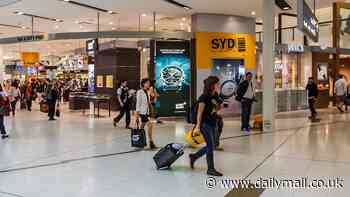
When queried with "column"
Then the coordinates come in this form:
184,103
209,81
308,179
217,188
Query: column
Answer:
268,64
2,66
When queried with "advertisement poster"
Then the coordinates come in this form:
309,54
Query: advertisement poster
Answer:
99,81
91,78
173,77
109,81
230,72
322,72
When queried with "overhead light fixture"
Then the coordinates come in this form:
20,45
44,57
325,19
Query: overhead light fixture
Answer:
89,6
178,4
13,26
283,5
113,28
111,23
37,16
253,13
144,15
183,19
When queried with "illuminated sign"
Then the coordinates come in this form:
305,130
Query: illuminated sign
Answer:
228,44
32,38
307,21
295,48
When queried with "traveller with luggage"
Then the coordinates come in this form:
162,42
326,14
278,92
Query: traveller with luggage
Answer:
206,123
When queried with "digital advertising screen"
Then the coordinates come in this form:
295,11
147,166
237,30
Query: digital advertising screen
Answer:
230,72
91,78
173,77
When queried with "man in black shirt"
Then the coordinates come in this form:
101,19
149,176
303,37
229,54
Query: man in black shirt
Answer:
219,122
123,98
312,92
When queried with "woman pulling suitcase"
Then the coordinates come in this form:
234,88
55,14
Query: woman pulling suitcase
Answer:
206,123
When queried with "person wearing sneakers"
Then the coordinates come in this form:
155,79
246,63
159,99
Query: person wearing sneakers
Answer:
4,102
124,102
143,109
206,123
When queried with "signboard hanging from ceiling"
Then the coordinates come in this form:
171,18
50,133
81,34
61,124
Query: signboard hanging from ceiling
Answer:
307,21
30,58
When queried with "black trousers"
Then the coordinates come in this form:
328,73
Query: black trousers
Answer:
52,109
2,125
13,106
126,111
218,130
29,103
246,112
312,107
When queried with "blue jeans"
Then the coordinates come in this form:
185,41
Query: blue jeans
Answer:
208,132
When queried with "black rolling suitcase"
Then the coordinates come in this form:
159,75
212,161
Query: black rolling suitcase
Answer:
168,155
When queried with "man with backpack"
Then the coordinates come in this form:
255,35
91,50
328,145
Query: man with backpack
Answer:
124,102
245,94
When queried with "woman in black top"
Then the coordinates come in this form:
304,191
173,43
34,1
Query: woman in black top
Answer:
206,123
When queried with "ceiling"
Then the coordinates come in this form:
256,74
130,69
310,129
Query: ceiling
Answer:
168,17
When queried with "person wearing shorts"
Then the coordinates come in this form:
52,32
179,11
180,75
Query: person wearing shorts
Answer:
143,109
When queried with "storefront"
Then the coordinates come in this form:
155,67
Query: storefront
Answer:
228,56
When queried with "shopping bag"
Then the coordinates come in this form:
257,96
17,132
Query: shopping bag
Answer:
194,137
138,137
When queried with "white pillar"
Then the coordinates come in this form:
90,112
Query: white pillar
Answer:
268,65
2,66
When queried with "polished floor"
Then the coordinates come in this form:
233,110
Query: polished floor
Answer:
79,156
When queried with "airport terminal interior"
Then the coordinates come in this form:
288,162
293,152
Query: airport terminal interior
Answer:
174,98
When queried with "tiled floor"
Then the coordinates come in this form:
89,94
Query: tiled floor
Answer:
78,156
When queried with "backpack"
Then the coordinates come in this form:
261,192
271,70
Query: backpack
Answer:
241,90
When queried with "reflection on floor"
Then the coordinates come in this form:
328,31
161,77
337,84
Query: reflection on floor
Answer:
85,157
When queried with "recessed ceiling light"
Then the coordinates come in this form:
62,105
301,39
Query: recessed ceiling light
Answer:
113,28
111,23
19,13
56,27
183,19
111,12
144,15
286,8
81,27
253,13
181,24
23,27
66,0
187,8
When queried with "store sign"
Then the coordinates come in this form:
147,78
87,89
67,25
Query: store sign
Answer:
32,38
225,44
278,67
307,21
92,46
30,58
296,48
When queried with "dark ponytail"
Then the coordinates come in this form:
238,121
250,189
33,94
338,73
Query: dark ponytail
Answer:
209,84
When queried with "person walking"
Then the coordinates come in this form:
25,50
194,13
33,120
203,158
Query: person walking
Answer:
14,96
51,98
312,92
246,96
219,123
206,123
124,102
4,103
29,96
143,109
340,90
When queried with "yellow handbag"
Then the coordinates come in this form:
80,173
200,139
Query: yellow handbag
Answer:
194,138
